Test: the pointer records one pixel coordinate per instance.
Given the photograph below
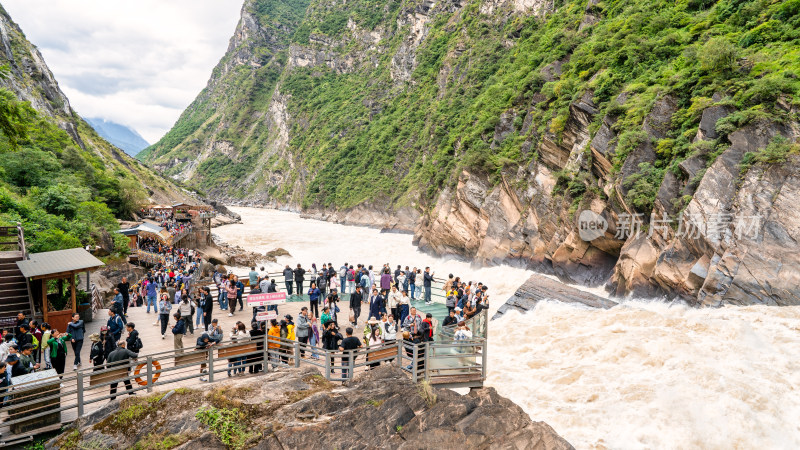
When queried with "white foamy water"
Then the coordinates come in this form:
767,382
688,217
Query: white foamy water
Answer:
640,375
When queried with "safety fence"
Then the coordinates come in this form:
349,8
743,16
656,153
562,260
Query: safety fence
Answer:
43,401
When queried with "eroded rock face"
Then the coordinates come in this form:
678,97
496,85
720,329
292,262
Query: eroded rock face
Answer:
735,242
296,408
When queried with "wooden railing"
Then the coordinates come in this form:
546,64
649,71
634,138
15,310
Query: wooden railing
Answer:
32,404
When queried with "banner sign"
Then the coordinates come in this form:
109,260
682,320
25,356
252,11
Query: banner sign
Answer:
265,316
271,298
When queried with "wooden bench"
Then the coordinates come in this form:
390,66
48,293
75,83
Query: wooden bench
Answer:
382,353
108,377
195,357
237,350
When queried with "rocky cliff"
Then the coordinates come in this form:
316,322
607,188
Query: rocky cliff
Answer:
294,409
58,178
29,79
627,143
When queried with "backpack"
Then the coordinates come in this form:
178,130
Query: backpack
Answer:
350,275
137,345
322,283
358,277
365,282
35,342
342,272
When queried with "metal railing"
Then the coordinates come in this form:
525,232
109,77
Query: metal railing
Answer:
31,407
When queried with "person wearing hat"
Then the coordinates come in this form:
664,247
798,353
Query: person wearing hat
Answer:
107,342
96,353
26,359
372,325
458,316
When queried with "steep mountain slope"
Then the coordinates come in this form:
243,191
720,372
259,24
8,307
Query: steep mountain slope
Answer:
57,176
488,126
121,136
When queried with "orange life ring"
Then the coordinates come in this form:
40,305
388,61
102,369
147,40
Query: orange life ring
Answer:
139,380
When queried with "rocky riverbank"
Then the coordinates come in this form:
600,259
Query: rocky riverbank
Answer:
539,288
297,408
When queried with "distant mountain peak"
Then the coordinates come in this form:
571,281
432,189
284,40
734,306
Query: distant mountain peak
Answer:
123,137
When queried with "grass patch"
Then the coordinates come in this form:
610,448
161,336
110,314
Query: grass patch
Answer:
425,390
375,403
230,426
132,411
161,441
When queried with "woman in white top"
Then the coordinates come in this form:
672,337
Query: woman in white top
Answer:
185,307
239,333
389,328
374,338
402,309
394,301
463,332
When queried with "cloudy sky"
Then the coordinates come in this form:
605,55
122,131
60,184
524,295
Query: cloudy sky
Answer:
138,63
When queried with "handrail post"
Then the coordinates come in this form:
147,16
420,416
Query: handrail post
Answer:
267,367
211,365
79,381
484,359
427,357
149,374
352,364
399,344
414,365
327,365
296,354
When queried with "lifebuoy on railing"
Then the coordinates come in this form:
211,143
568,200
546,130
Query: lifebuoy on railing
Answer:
156,365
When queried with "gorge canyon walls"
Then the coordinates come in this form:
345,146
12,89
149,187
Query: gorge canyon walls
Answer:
626,144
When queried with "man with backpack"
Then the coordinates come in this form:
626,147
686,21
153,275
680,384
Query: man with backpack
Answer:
343,278
351,279
115,325
322,282
133,342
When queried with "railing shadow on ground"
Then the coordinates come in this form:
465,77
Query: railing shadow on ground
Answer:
49,400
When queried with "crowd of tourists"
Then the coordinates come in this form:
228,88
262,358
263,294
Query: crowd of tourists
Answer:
183,309
32,346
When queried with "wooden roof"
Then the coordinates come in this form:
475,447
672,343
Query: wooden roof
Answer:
59,263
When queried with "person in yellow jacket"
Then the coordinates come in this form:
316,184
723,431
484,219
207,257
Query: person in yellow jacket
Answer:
273,340
290,328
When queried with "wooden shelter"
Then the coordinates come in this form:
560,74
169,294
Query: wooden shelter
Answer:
61,265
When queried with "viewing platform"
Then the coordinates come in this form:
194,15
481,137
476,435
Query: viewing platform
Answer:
46,401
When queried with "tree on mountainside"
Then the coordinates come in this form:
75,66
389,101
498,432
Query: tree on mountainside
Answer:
131,195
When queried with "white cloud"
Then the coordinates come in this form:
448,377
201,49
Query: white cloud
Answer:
136,63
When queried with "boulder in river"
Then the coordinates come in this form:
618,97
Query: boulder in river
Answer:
539,287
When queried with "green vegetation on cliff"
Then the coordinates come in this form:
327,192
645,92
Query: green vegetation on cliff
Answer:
486,89
64,196
65,184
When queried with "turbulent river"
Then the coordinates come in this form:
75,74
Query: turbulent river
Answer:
645,374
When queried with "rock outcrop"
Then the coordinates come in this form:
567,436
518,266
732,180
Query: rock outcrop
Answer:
541,288
297,408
